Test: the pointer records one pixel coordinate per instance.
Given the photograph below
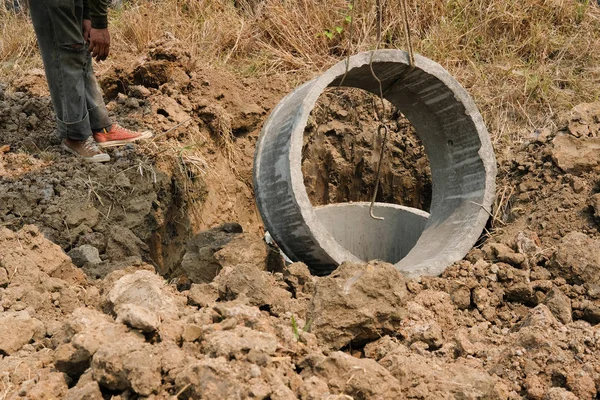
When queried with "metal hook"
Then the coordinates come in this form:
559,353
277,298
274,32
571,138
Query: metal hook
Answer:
380,129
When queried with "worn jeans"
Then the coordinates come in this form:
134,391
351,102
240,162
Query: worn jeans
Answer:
76,96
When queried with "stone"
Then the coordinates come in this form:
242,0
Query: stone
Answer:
358,378
540,318
464,345
593,290
89,329
123,243
141,301
542,285
560,305
211,251
87,391
430,378
481,298
582,385
40,254
139,91
528,243
582,120
313,388
77,216
95,239
243,249
85,254
49,385
173,357
427,316
535,387
191,332
199,264
299,279
542,135
577,259
427,332
71,360
17,329
380,348
203,295
576,155
558,393
259,287
128,363
460,295
358,302
591,313
521,292
236,343
102,270
504,253
539,273
208,379
138,317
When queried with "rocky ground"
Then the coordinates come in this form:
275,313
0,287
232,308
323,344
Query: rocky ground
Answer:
112,285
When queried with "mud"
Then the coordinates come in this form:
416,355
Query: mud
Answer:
112,285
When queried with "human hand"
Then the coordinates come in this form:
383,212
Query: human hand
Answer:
99,43
86,28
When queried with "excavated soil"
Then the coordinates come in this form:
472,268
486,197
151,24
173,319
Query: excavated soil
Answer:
148,278
342,151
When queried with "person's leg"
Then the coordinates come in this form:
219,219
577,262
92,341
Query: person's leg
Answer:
106,133
57,24
98,114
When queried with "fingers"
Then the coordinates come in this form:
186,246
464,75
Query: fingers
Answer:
99,44
99,51
103,53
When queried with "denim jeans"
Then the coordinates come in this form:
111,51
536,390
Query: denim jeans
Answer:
76,96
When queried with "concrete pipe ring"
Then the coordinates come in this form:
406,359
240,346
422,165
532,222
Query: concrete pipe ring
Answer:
456,141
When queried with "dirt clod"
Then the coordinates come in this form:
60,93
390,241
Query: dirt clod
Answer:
358,303
127,364
85,254
560,305
577,259
140,301
17,329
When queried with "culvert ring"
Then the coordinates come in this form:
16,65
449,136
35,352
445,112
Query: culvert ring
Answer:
462,161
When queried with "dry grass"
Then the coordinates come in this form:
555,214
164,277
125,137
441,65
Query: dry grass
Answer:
523,61
17,42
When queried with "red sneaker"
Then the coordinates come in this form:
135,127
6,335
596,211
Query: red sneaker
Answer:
118,136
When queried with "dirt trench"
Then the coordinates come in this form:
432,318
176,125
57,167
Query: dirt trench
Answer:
194,174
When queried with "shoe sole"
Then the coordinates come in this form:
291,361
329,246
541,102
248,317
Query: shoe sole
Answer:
105,157
114,143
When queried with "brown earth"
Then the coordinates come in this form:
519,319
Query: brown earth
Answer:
342,148
86,313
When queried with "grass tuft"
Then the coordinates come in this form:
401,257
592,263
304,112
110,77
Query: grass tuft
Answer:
18,47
